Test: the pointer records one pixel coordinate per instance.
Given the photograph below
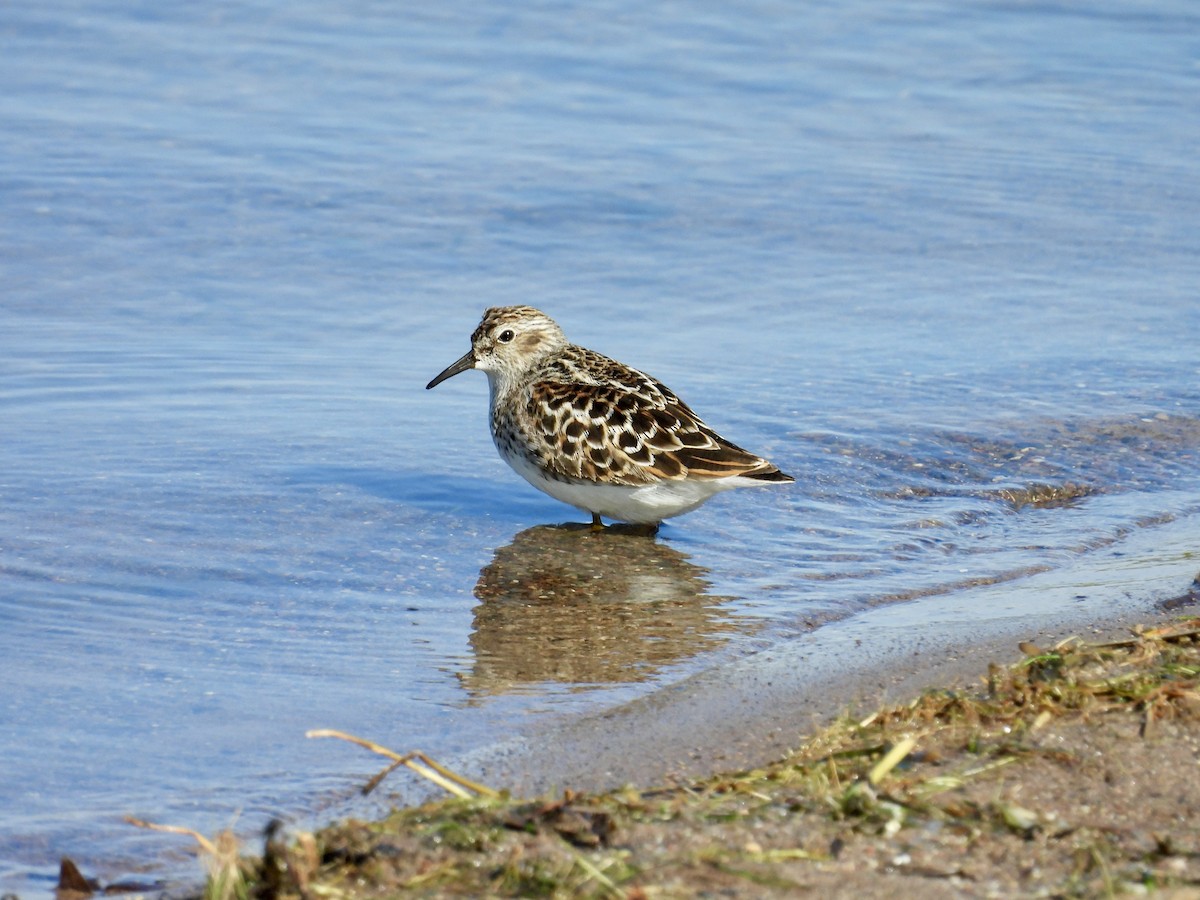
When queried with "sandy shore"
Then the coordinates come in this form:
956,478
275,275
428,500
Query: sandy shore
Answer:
1074,771
753,709
735,782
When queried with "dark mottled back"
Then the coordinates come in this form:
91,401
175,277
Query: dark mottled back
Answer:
581,415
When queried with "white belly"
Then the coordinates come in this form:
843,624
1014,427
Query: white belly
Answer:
642,505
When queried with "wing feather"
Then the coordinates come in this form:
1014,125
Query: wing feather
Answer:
630,431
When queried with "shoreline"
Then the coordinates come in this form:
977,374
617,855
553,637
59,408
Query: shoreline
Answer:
752,709
1068,772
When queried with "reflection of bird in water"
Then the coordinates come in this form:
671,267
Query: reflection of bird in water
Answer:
594,433
563,604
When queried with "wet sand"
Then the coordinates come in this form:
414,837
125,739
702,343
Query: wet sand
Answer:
1069,772
696,747
756,708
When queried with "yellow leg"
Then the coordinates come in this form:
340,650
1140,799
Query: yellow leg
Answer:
597,525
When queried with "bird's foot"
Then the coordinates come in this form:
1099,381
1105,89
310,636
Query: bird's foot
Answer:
622,527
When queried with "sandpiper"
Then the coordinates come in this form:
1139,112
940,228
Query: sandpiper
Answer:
595,433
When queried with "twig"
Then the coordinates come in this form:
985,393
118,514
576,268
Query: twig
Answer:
447,779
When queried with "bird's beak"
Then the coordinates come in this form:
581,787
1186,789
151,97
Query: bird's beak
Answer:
467,362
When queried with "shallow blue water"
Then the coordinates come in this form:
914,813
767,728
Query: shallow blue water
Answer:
915,255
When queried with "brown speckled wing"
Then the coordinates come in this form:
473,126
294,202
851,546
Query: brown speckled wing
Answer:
630,430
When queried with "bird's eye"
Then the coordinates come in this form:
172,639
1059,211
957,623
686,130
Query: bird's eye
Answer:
505,336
